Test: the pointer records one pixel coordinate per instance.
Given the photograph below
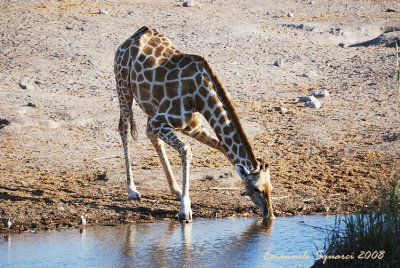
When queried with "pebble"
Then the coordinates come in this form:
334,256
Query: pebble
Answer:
278,63
31,104
313,103
190,3
310,74
281,109
304,99
102,177
290,14
103,11
320,93
26,84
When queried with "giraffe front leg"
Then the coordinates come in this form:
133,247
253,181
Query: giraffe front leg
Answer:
186,212
133,194
159,146
167,134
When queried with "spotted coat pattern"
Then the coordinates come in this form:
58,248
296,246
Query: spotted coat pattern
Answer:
175,91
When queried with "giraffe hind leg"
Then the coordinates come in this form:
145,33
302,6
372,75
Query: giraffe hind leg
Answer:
125,124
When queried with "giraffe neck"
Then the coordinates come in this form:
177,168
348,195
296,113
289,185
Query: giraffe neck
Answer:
220,114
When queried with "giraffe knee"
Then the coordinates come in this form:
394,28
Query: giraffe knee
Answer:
186,152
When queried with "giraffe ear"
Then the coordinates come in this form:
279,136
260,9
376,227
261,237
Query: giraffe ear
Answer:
242,171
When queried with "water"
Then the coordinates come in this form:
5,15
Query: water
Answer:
203,243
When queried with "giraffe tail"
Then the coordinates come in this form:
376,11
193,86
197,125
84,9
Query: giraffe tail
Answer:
132,122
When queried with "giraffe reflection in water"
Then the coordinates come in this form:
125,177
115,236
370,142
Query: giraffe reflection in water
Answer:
183,245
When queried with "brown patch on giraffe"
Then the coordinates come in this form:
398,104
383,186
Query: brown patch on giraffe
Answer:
186,60
158,92
222,119
141,58
228,141
119,58
164,106
173,75
148,50
125,59
190,70
176,122
188,104
148,75
153,43
212,122
199,80
137,67
242,152
176,106
134,88
160,74
150,62
188,86
148,108
144,92
207,115
171,89
236,138
140,78
124,73
158,51
126,44
227,130
133,76
134,51
199,103
213,101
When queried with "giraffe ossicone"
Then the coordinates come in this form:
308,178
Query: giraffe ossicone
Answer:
176,91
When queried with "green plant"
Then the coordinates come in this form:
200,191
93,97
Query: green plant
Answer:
398,67
370,238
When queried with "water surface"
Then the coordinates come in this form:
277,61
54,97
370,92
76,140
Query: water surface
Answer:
284,242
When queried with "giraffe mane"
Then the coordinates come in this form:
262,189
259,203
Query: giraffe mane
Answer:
221,92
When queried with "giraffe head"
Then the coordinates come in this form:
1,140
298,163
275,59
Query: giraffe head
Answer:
258,187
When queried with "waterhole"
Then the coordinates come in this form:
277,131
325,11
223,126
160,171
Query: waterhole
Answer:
284,242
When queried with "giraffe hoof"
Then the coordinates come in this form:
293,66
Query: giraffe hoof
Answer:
134,196
185,216
178,194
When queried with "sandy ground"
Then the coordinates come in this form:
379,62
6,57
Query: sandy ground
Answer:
60,133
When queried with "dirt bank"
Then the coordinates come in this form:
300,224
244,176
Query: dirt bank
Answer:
59,133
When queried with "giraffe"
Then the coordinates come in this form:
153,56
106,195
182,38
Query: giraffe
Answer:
176,91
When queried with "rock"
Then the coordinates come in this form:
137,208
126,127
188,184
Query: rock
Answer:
278,63
342,45
313,103
3,123
103,11
189,3
26,83
304,99
31,104
281,109
290,14
320,93
310,74
102,177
